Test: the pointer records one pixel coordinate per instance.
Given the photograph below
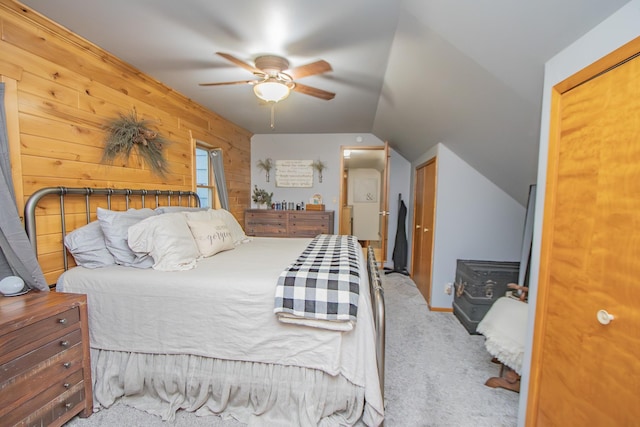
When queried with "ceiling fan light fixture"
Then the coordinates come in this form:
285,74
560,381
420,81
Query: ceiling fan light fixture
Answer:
271,90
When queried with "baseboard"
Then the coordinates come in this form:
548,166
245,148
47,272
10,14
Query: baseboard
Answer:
442,309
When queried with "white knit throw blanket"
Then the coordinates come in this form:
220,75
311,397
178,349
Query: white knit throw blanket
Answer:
505,327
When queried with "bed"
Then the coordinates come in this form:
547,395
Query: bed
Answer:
205,338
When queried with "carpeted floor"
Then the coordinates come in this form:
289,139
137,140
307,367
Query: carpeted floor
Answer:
435,374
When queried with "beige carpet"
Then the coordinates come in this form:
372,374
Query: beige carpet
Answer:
435,374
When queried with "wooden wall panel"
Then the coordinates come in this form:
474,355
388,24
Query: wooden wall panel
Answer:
65,90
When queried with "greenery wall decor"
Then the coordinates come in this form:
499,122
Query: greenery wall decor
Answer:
319,165
128,133
266,165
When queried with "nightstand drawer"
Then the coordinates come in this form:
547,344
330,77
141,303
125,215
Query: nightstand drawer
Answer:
29,336
16,391
28,360
47,407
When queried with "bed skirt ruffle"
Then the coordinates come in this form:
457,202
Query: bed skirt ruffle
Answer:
254,393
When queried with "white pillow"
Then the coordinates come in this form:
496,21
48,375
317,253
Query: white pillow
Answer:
237,233
197,216
114,226
171,209
168,239
88,247
211,236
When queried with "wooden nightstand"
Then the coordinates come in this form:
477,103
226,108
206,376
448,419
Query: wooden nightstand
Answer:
45,371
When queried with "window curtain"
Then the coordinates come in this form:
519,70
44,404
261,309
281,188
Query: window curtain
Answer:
17,257
221,182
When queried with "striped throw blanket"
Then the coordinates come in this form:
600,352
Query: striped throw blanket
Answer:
321,287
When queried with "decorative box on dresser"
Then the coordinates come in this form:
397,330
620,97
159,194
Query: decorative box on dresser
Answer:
274,223
45,371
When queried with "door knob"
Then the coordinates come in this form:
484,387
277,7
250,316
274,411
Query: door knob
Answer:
604,317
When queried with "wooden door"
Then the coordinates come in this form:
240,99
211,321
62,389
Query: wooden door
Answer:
585,373
423,222
384,207
371,157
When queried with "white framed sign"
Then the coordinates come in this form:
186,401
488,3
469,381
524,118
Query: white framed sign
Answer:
294,173
365,190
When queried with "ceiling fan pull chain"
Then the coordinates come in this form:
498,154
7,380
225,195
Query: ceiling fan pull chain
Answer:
273,106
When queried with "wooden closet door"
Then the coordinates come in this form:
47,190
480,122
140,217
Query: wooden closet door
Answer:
423,219
585,373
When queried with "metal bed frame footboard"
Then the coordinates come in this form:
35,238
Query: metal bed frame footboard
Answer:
377,303
192,199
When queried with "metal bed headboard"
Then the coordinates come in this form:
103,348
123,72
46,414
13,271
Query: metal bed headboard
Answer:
191,197
377,302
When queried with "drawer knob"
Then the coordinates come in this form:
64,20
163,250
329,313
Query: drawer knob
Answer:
64,343
67,405
66,385
62,321
67,365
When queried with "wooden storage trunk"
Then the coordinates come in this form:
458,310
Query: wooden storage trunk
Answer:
312,207
478,285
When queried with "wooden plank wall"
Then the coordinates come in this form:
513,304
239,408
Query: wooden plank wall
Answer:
60,90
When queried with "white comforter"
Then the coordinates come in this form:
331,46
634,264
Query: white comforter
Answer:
224,309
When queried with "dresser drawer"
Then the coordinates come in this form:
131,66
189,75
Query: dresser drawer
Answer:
307,231
266,221
25,362
311,216
28,337
267,230
48,407
269,217
62,369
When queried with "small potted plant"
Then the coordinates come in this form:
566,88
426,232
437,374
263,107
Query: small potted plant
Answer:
261,197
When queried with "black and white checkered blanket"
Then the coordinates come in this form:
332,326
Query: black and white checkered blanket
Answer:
323,283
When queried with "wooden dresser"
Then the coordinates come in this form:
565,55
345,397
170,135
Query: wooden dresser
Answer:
272,223
45,372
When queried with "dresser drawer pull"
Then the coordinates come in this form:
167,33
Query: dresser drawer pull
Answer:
66,385
64,343
67,365
67,405
62,321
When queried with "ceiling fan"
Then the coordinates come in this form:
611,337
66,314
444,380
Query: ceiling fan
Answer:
276,80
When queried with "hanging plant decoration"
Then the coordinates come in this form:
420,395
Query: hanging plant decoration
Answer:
128,133
266,165
319,165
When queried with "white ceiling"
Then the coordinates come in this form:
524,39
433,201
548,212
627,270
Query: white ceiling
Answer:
467,73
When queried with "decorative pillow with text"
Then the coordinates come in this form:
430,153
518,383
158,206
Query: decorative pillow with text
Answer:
211,236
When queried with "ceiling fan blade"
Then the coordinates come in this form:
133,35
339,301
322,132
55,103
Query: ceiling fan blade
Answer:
240,63
318,93
241,82
311,69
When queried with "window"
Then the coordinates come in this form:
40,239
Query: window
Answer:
205,182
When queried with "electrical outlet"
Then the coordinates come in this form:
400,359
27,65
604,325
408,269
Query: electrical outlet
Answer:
448,288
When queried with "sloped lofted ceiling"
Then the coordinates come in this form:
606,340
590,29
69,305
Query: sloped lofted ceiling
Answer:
466,73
